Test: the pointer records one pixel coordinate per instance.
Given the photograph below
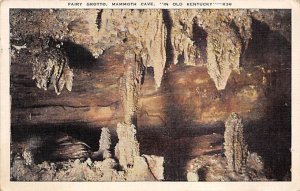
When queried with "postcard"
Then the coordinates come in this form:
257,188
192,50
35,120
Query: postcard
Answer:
142,95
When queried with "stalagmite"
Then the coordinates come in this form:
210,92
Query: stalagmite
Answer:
236,149
128,147
105,143
28,157
228,34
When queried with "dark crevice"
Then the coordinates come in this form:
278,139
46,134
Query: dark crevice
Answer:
270,137
267,47
68,106
169,49
79,56
200,39
99,19
43,137
180,61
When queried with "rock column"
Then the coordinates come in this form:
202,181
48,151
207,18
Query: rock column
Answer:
128,147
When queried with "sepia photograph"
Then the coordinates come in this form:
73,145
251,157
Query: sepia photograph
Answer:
149,95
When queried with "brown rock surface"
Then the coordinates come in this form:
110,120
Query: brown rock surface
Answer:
175,75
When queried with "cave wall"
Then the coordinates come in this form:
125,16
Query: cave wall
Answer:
201,65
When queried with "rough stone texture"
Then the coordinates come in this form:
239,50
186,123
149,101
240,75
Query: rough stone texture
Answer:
105,31
140,171
67,171
236,149
226,35
222,57
142,30
145,31
128,147
156,165
30,149
275,20
188,96
67,147
28,157
155,40
51,66
129,85
214,168
105,143
181,36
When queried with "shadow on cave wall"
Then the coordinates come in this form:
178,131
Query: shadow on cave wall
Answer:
266,48
175,146
80,57
48,133
270,137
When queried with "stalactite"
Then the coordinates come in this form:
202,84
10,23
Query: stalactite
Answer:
155,43
51,66
223,56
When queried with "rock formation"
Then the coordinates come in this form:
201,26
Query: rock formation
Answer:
143,68
51,66
127,148
104,145
214,168
188,37
228,33
236,149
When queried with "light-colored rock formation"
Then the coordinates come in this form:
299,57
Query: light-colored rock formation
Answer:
156,165
236,149
51,66
129,86
28,157
127,148
140,171
182,36
228,34
192,177
214,168
105,143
